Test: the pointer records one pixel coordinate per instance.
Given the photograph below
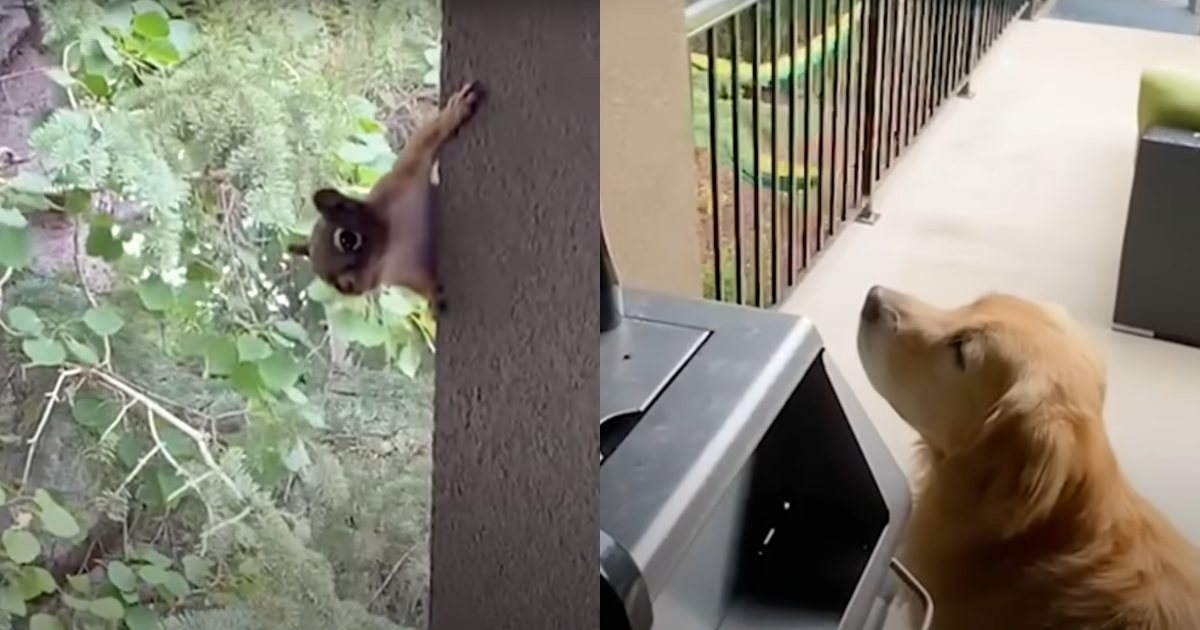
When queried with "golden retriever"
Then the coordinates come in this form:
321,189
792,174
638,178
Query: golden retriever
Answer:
1022,519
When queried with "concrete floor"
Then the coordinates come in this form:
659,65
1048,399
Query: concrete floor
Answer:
1168,16
1024,189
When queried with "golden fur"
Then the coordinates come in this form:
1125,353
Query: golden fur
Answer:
1022,518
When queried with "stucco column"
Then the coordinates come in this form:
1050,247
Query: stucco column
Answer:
647,165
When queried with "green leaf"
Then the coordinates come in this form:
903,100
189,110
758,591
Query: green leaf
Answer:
297,458
304,24
184,36
102,243
97,84
251,347
92,412
129,449
196,569
153,575
293,330
107,608
55,518
351,326
118,16
59,76
154,557
295,395
177,585
151,25
75,603
14,247
320,291
77,201
42,351
28,202
11,601
31,182
21,546
122,576
168,483
141,618
202,272
104,320
42,621
221,357
80,583
82,352
433,56
107,46
149,6
356,153
314,416
25,320
39,580
398,302
11,217
160,51
156,294
245,380
279,371
410,359
362,108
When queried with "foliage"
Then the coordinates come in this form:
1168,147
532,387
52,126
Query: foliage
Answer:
209,383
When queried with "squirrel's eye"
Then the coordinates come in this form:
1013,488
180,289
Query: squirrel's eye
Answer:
346,241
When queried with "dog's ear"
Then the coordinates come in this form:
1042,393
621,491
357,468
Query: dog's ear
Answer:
1028,452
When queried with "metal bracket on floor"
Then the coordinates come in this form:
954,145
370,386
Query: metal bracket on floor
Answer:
1130,330
866,216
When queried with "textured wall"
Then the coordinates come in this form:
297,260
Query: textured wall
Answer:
647,165
516,426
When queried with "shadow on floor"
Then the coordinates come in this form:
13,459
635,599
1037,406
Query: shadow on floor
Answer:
1167,16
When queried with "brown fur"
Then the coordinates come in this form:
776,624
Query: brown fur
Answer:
393,225
1022,518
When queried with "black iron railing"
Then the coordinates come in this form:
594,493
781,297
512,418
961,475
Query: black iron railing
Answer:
800,107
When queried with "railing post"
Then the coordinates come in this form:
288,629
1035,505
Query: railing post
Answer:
972,51
870,146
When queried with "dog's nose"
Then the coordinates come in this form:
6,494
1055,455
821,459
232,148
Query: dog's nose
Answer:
872,310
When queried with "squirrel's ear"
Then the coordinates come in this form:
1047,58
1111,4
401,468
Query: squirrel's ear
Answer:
298,249
333,204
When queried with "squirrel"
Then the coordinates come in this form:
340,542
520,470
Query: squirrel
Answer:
387,238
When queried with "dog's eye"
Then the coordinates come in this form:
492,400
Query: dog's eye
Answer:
346,241
960,357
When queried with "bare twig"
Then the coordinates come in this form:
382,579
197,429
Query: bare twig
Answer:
8,274
206,534
51,400
137,468
200,439
20,73
392,574
118,420
87,290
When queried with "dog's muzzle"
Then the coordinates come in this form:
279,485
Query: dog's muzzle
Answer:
873,307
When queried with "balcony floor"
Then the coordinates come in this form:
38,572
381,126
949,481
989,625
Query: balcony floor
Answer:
1024,189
